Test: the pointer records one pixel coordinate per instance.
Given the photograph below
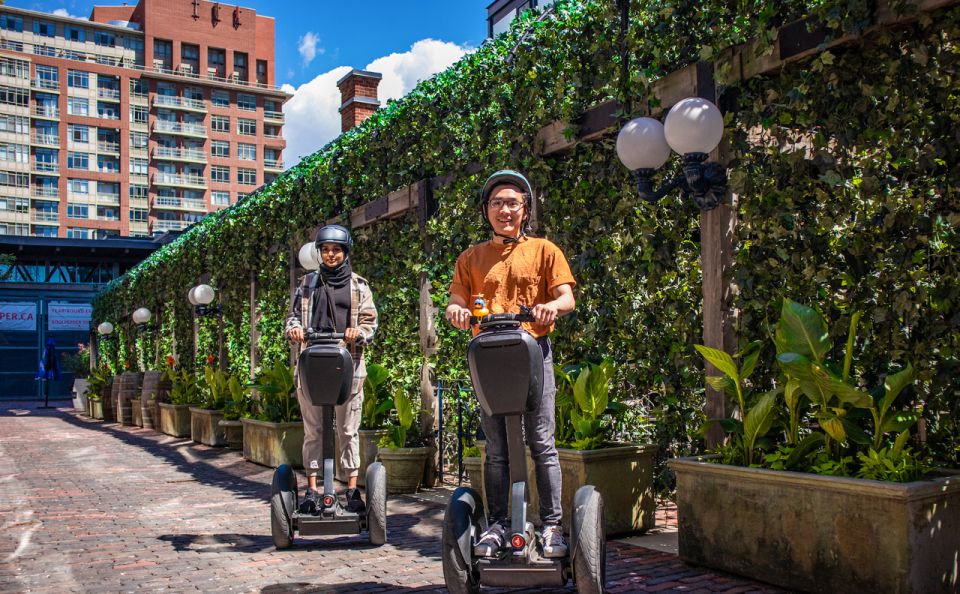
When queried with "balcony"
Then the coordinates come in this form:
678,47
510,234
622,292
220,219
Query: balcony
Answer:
46,85
45,139
139,98
102,199
179,103
47,168
108,94
179,181
180,203
177,154
195,130
50,112
274,164
13,216
106,146
170,225
273,116
38,216
45,191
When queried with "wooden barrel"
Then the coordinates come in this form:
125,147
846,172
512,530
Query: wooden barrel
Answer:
129,389
109,403
155,388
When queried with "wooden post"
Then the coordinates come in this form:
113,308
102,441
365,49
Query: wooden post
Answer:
429,406
254,330
716,259
222,362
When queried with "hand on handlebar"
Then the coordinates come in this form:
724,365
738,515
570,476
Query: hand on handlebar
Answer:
295,334
459,317
544,314
351,335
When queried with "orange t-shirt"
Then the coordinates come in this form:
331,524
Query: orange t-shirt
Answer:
511,275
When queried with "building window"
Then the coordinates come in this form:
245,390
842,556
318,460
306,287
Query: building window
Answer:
138,87
241,66
80,187
15,68
220,99
79,134
138,215
246,102
78,160
14,124
104,39
108,213
220,198
138,166
74,34
220,123
246,127
14,96
138,192
78,106
162,53
138,114
44,231
78,233
108,110
246,152
78,211
107,164
15,152
216,62
78,79
138,140
220,148
220,174
247,177
262,72
11,23
44,28
193,93
48,77
17,180
190,57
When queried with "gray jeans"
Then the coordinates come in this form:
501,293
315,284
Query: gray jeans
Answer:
539,428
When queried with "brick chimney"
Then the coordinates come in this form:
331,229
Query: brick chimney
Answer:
358,97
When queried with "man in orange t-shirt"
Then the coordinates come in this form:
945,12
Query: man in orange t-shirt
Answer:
510,270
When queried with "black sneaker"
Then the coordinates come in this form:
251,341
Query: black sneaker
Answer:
355,503
309,503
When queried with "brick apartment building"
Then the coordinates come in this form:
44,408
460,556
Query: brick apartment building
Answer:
140,120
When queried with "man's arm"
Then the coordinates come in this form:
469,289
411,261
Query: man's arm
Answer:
457,313
562,304
294,327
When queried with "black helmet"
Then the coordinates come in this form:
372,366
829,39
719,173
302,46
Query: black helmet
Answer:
335,234
513,178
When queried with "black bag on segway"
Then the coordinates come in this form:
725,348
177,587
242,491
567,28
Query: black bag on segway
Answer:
320,368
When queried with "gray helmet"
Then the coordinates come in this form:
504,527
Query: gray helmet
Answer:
514,178
335,234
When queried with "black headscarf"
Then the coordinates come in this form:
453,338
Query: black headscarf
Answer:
332,294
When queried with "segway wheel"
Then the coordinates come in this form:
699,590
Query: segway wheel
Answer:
283,500
588,541
461,522
376,482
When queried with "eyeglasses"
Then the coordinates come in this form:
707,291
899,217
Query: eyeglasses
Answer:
512,205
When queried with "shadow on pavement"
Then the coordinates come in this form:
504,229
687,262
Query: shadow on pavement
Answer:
350,588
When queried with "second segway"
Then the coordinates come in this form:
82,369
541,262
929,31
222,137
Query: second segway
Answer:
325,373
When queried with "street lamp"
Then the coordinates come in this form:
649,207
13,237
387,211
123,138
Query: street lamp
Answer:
105,329
308,256
693,128
141,317
201,297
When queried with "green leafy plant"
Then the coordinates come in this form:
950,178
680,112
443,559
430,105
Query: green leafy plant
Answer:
78,363
277,402
400,435
237,403
377,402
99,379
184,388
215,388
471,451
896,463
585,412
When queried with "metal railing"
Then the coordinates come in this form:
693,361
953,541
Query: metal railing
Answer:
173,179
273,115
173,202
180,128
45,139
107,93
177,154
44,217
46,192
273,163
106,146
46,167
46,111
181,102
170,225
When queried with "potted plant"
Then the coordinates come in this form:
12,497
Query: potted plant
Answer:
839,500
236,405
400,452
377,405
273,434
473,466
205,417
184,393
78,364
98,391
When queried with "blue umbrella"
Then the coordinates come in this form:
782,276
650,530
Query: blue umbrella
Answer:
49,362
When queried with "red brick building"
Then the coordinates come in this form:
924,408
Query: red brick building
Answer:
139,120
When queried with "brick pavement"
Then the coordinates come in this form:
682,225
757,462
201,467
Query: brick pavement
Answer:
93,507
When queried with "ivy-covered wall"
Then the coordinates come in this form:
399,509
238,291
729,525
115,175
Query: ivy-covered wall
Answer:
845,172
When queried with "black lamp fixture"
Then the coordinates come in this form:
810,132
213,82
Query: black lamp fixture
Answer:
200,297
692,128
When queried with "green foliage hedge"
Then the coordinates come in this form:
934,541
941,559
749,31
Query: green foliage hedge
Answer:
845,172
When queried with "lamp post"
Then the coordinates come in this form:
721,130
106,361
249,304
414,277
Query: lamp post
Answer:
201,297
104,334
141,317
309,257
693,128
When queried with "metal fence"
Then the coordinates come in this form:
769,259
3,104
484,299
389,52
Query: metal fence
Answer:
459,424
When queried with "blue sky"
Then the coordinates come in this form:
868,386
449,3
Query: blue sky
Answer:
319,41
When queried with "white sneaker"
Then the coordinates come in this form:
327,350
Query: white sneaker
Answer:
551,539
491,541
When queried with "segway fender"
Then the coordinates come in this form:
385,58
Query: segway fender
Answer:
580,499
464,509
284,479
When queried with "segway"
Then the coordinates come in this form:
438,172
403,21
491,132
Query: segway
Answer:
325,372
506,366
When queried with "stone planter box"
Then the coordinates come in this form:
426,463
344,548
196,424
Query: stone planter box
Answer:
369,438
474,468
205,427
233,433
96,409
273,444
404,468
820,533
89,411
175,419
80,387
136,412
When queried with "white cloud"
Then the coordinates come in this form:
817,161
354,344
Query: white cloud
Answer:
62,12
307,46
312,118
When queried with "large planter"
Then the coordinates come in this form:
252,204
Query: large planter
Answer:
369,438
273,444
129,389
404,468
96,409
175,419
136,411
233,432
154,389
80,387
205,427
474,467
820,533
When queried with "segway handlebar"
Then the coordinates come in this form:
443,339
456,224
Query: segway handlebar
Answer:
310,335
503,319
